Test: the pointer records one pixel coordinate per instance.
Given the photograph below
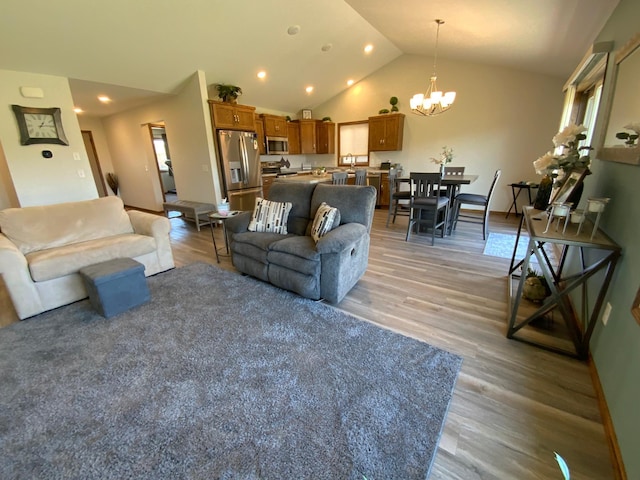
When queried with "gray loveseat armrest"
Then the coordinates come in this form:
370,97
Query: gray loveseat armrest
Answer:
340,238
238,223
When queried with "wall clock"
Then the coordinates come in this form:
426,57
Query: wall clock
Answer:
40,125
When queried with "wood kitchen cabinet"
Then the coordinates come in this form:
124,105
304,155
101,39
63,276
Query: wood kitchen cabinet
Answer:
383,193
267,181
317,136
293,134
274,125
262,147
385,132
232,116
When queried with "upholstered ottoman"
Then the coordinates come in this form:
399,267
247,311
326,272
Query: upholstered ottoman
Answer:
116,285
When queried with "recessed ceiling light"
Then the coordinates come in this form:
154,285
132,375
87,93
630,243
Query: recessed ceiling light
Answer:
77,110
349,82
309,89
293,30
104,99
368,48
326,47
262,74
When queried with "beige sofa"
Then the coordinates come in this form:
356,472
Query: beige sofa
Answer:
42,248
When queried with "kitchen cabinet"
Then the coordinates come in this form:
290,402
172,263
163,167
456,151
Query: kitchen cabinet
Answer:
232,116
262,147
293,134
274,125
267,181
385,132
383,191
317,136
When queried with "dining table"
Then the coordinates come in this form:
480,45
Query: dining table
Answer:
451,183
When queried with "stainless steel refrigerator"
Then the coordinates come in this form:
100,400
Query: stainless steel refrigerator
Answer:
240,165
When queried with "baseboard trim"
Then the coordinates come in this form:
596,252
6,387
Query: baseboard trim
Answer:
610,433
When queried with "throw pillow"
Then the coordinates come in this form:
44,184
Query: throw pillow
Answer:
270,216
324,221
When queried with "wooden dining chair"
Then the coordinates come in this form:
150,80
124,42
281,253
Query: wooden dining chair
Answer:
339,178
398,199
475,199
428,207
361,176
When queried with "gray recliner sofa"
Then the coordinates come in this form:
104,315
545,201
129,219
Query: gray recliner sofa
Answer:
328,269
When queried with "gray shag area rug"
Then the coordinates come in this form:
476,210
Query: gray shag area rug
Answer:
218,377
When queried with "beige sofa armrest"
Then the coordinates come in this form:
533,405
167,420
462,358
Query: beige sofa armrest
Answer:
158,227
17,278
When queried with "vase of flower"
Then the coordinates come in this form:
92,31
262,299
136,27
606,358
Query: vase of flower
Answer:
442,169
445,157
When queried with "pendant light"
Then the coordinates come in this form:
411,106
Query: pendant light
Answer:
433,101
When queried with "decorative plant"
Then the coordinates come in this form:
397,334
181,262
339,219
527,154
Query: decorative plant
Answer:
535,288
112,181
445,157
570,158
630,138
394,104
384,110
228,93
326,119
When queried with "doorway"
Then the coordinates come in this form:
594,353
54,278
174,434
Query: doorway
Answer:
162,155
92,154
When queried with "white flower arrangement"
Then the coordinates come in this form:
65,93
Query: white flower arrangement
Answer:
445,157
570,157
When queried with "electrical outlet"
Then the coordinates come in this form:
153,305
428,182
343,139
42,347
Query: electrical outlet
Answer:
606,313
81,173
76,156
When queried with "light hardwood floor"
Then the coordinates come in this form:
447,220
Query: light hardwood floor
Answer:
514,404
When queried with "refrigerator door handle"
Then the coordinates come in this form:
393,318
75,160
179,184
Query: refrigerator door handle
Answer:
245,160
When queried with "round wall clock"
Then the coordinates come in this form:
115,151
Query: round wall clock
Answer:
40,125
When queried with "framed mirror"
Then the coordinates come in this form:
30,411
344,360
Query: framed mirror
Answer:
625,107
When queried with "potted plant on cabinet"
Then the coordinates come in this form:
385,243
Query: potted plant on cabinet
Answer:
228,93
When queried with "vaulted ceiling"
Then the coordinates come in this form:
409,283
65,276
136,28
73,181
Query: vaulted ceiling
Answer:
136,51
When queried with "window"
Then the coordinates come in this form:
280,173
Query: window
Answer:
353,143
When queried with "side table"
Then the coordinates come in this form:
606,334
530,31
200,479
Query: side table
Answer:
519,187
214,218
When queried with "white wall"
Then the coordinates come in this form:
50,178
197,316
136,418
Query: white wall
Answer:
502,118
37,180
188,129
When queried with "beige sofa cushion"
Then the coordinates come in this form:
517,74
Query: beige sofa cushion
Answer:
61,261
49,226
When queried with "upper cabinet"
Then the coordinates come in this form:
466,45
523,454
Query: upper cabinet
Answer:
317,136
293,134
262,147
274,125
232,116
385,132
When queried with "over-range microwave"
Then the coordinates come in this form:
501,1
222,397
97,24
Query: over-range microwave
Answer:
277,145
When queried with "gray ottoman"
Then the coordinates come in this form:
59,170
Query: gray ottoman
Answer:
116,285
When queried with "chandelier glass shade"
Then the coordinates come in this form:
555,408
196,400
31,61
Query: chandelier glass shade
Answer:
433,101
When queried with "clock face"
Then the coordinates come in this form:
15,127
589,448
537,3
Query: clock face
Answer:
41,125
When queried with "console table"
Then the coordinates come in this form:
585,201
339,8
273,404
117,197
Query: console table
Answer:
597,254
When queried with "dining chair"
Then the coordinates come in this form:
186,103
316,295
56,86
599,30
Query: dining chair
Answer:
475,199
426,198
361,176
395,197
339,178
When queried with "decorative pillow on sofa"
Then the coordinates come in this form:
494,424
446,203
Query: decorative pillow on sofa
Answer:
324,221
270,216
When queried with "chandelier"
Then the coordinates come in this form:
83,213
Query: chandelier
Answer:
433,101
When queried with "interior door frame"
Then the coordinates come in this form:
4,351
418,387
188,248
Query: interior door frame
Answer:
95,162
155,157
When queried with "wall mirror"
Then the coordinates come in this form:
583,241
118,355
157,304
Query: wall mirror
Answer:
625,107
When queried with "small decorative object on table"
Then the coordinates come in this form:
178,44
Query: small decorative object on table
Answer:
630,138
535,287
559,210
559,166
223,207
446,156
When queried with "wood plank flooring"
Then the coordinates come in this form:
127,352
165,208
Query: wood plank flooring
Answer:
514,404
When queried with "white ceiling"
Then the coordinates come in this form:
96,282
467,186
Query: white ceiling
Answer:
136,51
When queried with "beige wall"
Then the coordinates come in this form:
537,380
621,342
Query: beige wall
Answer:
502,118
188,129
95,126
37,180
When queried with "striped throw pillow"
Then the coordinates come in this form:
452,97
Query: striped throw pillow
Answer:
270,216
323,221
